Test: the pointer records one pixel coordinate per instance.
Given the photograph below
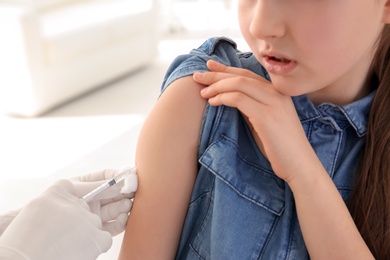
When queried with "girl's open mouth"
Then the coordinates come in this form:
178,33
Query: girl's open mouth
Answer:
278,65
282,60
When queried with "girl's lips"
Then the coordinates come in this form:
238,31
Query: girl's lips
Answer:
278,66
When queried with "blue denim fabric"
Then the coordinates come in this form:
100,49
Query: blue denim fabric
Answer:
239,208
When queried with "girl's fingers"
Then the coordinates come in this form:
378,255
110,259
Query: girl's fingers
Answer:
219,67
220,71
239,100
219,82
268,112
222,78
209,78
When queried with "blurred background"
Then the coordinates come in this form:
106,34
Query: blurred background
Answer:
78,78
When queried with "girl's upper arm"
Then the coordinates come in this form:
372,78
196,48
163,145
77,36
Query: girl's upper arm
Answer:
166,160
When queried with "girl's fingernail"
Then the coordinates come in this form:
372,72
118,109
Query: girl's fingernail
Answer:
203,91
199,75
214,63
211,63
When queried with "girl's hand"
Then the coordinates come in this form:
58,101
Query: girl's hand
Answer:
271,115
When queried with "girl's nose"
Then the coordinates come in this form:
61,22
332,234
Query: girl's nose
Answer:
267,20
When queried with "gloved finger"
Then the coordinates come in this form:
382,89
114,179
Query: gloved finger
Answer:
118,226
113,210
117,198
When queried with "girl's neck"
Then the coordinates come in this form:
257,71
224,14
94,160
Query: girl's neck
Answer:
346,94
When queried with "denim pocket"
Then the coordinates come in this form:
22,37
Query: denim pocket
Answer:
248,179
244,208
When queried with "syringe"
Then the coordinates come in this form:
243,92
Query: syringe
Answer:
120,177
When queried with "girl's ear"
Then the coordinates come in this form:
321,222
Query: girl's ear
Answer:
386,12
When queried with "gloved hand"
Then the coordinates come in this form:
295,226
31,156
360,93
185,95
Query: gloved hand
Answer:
55,225
114,204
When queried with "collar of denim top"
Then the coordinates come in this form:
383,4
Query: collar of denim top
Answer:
354,114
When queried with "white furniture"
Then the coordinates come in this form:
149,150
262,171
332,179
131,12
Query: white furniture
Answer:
54,50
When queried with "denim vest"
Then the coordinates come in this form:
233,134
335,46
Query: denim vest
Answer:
239,208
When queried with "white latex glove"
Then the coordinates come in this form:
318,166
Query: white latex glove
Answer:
114,204
111,206
55,225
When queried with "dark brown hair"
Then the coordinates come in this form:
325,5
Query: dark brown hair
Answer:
370,202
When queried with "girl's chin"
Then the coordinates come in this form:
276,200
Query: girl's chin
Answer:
287,87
